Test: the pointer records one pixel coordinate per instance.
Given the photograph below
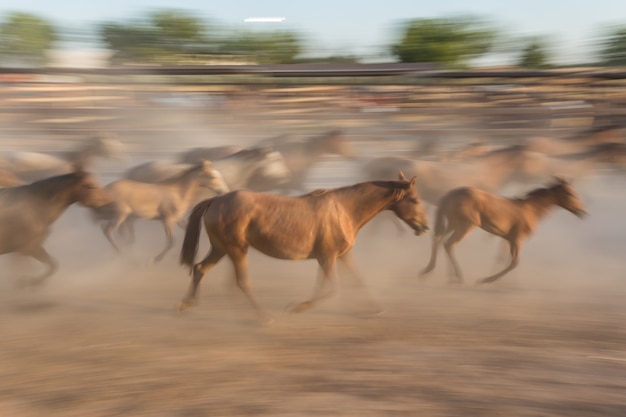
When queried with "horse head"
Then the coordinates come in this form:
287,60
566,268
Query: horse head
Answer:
408,205
212,178
89,192
108,145
566,197
271,164
335,142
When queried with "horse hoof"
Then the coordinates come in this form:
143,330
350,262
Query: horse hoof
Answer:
184,305
296,307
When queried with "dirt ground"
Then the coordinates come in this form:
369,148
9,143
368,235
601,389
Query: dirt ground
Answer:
102,338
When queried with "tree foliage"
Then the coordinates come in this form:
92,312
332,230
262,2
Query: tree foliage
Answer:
451,42
167,36
25,38
534,55
280,47
613,47
160,36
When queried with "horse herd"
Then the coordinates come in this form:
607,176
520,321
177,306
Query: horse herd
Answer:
242,198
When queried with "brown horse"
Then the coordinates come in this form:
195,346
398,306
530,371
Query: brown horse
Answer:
167,201
513,219
435,179
27,211
321,225
300,157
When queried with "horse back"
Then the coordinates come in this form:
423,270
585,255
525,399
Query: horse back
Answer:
280,226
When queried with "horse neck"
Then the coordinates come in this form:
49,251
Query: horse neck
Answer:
540,202
53,196
187,184
365,200
235,170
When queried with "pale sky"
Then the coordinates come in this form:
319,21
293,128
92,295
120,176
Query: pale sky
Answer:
344,26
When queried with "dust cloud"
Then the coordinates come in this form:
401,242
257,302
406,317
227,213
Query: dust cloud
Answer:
103,338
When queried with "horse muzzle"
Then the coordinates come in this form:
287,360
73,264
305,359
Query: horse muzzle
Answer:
581,214
421,230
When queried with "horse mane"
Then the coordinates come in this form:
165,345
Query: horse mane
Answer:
398,188
47,187
318,192
542,191
181,174
255,151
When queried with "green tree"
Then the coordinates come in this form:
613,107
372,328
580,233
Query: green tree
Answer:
161,36
279,47
534,55
25,38
613,47
451,42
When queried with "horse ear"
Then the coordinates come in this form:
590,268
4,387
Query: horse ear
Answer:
206,164
412,182
560,180
401,176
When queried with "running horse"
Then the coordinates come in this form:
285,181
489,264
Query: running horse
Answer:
321,225
167,201
513,219
27,211
33,166
301,157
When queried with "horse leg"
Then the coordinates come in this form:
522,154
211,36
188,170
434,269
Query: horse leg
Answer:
437,239
129,230
514,248
168,224
348,262
44,257
182,223
501,256
198,271
459,233
327,265
110,229
240,261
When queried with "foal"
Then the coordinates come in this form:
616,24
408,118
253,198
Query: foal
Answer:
513,219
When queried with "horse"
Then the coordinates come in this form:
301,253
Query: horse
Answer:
8,179
435,179
300,157
320,225
513,219
237,169
33,166
195,155
167,201
27,212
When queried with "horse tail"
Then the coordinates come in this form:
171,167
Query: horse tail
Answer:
192,233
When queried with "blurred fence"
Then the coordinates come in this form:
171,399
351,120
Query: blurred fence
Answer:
381,101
